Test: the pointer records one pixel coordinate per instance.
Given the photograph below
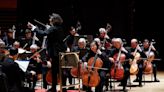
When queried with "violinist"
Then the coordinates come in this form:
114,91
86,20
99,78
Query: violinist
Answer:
3,51
16,44
14,74
124,64
136,51
27,39
9,39
145,48
94,50
35,66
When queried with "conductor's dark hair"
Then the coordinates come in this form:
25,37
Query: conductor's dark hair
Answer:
56,18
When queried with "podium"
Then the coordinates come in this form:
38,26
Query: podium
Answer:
68,60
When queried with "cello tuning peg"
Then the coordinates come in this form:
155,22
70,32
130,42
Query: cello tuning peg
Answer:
153,41
124,41
139,42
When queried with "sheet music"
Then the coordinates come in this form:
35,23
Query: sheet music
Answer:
23,64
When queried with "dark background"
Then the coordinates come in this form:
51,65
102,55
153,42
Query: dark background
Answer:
129,18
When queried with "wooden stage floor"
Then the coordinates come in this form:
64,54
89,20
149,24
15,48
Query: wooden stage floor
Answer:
148,85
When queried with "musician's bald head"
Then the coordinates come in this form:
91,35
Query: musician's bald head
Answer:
134,40
134,43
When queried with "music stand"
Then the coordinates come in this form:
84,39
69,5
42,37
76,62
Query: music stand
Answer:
66,60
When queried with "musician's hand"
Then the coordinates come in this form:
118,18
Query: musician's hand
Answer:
68,49
48,26
85,64
33,72
124,50
139,48
133,54
99,52
153,48
31,26
111,59
106,36
103,48
48,64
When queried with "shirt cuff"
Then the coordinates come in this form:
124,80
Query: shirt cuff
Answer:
33,28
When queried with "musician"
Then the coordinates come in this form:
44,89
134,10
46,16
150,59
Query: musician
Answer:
135,46
3,51
94,49
81,48
34,66
145,48
9,39
16,44
14,74
55,44
104,37
70,42
117,45
28,39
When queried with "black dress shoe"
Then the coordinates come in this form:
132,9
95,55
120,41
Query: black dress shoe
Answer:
156,80
140,85
120,84
49,90
136,80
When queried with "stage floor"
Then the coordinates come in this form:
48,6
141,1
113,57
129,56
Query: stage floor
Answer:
148,85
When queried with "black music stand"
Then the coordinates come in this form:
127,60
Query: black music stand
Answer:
68,60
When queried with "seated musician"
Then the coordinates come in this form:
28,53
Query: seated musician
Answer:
70,42
117,47
16,44
34,66
81,47
94,50
134,49
28,39
103,35
9,39
3,51
15,76
145,48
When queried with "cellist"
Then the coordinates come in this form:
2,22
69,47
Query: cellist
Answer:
134,49
145,48
94,50
117,47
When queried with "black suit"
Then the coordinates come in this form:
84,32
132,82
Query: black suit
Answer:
55,44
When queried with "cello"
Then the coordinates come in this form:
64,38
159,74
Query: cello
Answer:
134,67
90,76
117,71
148,68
